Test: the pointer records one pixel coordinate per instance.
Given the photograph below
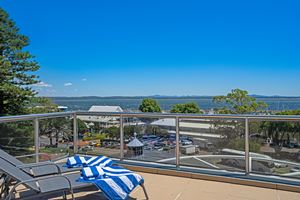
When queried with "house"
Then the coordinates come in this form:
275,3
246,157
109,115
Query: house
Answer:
103,121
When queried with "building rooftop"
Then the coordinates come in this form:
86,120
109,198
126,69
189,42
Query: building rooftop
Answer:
135,143
105,109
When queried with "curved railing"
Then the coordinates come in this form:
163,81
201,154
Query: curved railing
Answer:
249,160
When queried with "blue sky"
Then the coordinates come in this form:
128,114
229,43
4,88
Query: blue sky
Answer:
128,48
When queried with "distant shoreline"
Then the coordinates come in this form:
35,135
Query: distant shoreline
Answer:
275,103
166,97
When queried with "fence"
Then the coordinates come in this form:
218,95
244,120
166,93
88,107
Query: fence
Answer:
215,142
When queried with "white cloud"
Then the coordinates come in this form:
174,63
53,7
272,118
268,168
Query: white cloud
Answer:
84,79
68,84
42,84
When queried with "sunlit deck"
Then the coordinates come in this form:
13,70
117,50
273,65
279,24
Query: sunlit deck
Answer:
178,188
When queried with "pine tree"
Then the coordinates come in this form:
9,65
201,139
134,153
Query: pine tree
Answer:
16,67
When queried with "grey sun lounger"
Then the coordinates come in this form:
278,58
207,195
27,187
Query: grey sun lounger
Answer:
15,177
39,186
39,169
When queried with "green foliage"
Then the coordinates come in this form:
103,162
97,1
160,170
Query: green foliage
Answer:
52,128
186,108
281,130
16,67
51,150
58,128
239,102
112,132
17,137
289,112
21,133
156,130
239,144
94,136
41,105
97,128
130,130
82,127
149,105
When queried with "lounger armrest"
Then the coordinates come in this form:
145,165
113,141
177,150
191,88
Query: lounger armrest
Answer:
30,155
40,179
41,164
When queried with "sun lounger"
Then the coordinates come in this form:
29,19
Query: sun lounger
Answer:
44,168
110,186
41,185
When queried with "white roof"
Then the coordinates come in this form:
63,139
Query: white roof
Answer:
191,124
105,109
207,135
103,119
135,143
164,122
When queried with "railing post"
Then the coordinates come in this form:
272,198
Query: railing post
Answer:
177,143
121,138
36,138
250,164
247,154
75,134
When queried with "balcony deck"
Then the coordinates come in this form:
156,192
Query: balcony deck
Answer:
266,175
178,188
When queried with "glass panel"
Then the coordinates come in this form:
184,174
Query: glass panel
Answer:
275,148
213,144
56,138
17,139
99,135
151,140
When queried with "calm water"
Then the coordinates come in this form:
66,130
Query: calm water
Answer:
274,103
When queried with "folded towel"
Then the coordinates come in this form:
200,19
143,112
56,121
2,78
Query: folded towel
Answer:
114,181
90,173
76,161
84,161
119,188
102,161
111,171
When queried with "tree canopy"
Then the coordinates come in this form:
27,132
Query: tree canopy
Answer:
282,131
16,67
238,102
41,105
186,108
149,105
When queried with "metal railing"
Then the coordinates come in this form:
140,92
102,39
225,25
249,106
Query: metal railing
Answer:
246,119
35,118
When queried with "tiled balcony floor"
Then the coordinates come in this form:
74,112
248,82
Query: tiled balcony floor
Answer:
162,187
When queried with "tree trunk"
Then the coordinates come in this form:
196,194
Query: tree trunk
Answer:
50,137
56,139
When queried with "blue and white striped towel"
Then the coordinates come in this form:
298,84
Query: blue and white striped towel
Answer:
92,173
76,161
114,181
119,187
84,161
